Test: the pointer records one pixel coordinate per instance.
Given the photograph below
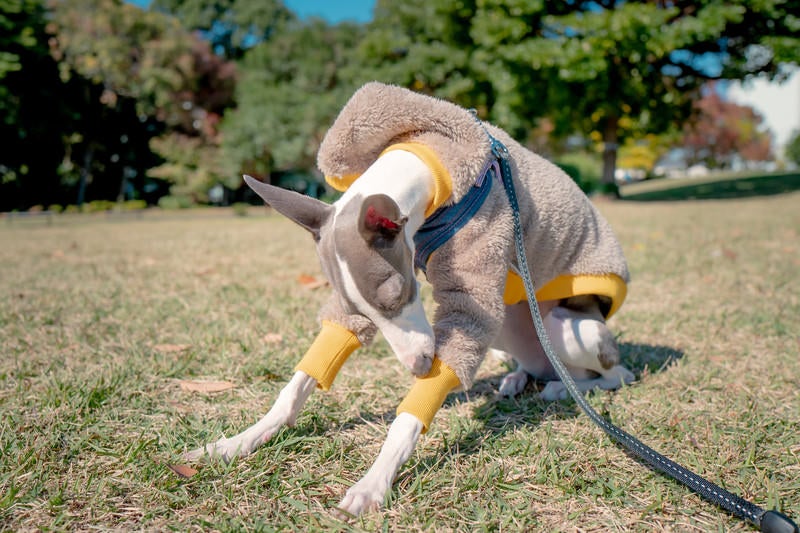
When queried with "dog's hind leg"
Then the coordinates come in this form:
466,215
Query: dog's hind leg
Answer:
518,339
579,337
588,349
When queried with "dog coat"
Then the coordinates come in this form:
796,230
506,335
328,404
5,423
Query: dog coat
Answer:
571,248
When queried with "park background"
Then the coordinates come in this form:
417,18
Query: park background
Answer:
137,321
168,103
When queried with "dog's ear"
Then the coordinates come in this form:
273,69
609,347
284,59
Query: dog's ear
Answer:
306,211
380,219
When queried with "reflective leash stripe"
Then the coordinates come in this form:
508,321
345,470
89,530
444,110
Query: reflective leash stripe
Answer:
767,520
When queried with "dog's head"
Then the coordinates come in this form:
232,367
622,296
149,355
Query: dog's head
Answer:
367,255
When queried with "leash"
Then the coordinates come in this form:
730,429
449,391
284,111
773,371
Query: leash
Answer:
767,521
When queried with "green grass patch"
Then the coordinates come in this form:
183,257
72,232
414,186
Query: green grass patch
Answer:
724,186
101,318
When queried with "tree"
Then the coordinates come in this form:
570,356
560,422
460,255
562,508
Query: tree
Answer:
176,86
635,67
231,26
34,106
292,86
793,148
449,49
723,131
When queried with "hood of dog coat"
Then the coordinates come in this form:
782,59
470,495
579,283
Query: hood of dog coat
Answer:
380,117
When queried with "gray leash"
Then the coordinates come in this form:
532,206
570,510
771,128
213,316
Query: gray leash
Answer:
768,521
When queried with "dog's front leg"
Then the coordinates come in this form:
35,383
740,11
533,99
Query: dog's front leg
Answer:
283,413
341,334
370,491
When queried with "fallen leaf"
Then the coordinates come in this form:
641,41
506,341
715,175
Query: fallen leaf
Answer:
171,348
184,471
272,338
205,386
310,282
57,254
730,254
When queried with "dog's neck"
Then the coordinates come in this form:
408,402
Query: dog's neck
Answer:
403,177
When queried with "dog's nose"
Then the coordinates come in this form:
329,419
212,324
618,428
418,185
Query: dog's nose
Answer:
416,353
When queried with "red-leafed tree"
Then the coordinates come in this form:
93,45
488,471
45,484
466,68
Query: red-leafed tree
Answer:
721,130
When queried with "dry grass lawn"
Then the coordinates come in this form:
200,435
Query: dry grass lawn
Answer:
102,320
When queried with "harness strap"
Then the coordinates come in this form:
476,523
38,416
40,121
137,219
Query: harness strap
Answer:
447,220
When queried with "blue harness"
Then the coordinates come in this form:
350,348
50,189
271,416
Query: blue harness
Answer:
446,221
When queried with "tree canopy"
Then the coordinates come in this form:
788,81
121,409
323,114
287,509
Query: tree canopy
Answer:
191,93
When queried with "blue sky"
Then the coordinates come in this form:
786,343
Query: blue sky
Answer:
333,10
330,10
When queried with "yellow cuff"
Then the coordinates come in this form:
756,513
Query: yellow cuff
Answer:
443,183
609,285
428,393
327,353
341,183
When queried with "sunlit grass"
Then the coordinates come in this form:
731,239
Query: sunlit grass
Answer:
101,319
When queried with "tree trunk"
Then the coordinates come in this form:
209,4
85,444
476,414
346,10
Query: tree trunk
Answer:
610,145
88,158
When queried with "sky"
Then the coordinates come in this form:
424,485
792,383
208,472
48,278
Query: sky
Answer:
779,104
333,10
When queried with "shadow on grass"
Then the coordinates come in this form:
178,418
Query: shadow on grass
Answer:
742,187
500,415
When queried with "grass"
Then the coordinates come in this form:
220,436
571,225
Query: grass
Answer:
715,186
101,320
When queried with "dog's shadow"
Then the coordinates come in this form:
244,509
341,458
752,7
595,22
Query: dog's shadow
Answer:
499,415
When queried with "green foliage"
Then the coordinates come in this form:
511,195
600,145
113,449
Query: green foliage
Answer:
175,202
231,26
240,209
191,165
131,52
792,149
18,21
291,89
171,75
585,168
31,107
625,69
134,205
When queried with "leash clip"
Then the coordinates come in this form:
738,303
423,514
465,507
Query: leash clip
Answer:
499,149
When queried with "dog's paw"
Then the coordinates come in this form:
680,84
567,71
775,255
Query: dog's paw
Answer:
554,391
624,375
224,449
359,500
513,383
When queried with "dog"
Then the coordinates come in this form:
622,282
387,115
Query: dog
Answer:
408,164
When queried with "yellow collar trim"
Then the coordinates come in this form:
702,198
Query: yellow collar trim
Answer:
443,183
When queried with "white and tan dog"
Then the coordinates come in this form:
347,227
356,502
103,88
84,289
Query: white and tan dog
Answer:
408,164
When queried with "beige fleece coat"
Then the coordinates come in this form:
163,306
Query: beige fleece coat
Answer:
565,236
